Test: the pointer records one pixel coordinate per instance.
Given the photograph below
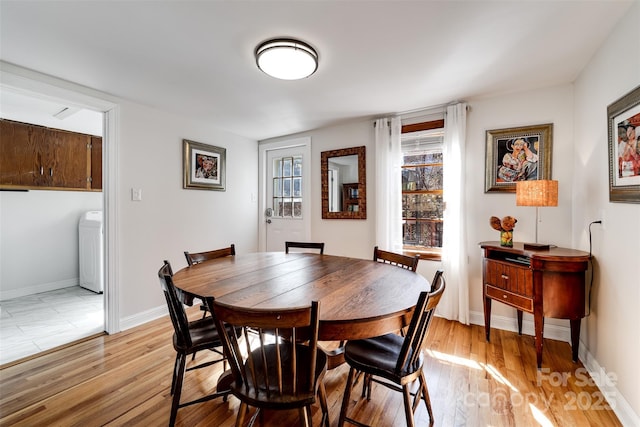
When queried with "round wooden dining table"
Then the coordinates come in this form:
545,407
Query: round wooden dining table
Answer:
358,298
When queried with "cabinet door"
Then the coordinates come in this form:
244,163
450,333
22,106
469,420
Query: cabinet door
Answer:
35,156
96,163
21,154
68,159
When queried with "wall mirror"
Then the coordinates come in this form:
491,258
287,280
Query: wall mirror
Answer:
344,183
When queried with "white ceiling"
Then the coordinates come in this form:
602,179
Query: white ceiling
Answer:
376,57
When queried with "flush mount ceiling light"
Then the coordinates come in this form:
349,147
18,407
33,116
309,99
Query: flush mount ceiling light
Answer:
286,59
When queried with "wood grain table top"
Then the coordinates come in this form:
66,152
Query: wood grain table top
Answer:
358,298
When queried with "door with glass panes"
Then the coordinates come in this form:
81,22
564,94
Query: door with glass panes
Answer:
286,216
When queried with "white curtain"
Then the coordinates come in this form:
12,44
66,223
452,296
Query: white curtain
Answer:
455,300
389,183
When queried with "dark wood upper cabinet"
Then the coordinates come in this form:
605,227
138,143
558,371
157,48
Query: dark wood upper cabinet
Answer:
37,157
96,163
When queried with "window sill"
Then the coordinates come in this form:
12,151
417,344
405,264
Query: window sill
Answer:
430,255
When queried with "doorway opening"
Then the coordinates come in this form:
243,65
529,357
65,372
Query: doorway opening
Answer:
51,299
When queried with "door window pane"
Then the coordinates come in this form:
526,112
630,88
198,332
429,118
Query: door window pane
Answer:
287,184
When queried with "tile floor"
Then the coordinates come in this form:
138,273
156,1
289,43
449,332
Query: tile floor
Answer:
39,322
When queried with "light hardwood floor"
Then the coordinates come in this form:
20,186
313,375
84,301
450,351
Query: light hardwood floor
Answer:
124,379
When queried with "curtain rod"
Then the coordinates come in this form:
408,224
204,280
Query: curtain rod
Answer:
440,108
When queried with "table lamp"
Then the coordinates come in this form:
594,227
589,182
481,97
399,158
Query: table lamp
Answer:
538,193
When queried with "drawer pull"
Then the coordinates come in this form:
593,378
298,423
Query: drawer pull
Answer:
505,296
504,276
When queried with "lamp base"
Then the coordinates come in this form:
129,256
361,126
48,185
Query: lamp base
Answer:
537,246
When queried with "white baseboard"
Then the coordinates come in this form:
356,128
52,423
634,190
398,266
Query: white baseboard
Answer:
554,332
37,289
143,317
606,382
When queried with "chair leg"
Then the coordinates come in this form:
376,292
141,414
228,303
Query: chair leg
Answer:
179,377
242,413
364,385
408,410
322,395
425,395
175,374
304,416
346,397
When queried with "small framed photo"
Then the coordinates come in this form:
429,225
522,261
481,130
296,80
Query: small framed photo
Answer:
204,166
517,154
623,117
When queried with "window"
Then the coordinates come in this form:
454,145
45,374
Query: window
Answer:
422,204
287,187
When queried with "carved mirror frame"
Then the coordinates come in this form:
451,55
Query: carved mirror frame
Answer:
362,183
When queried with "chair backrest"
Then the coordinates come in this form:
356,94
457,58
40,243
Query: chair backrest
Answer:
177,313
404,261
304,245
198,257
284,369
420,321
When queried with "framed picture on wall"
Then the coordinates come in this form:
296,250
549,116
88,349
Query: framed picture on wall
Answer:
204,166
623,117
517,154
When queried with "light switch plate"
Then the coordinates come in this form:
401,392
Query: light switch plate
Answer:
136,194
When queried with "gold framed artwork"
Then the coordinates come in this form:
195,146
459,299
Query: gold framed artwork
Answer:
623,123
517,154
204,166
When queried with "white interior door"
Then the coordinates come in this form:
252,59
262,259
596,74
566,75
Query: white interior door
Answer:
286,201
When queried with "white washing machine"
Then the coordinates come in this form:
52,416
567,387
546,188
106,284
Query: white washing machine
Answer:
91,251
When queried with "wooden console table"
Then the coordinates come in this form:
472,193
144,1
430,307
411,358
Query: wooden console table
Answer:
546,283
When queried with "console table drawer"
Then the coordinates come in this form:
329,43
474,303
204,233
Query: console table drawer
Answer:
507,276
517,301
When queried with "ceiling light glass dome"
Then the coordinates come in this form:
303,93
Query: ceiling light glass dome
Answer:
286,59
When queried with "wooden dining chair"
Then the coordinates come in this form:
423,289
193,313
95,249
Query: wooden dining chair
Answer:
188,338
403,261
198,257
284,369
394,361
304,245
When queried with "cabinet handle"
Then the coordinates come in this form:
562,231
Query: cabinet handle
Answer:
50,171
504,276
41,170
505,296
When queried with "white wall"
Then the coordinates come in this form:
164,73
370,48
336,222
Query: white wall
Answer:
563,225
40,228
551,105
170,219
610,333
348,237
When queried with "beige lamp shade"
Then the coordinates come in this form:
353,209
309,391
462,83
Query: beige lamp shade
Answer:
541,192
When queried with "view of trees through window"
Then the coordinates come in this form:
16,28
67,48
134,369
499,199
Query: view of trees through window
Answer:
422,204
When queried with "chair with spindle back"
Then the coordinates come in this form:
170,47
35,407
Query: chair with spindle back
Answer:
198,257
188,338
403,261
304,245
394,361
284,369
